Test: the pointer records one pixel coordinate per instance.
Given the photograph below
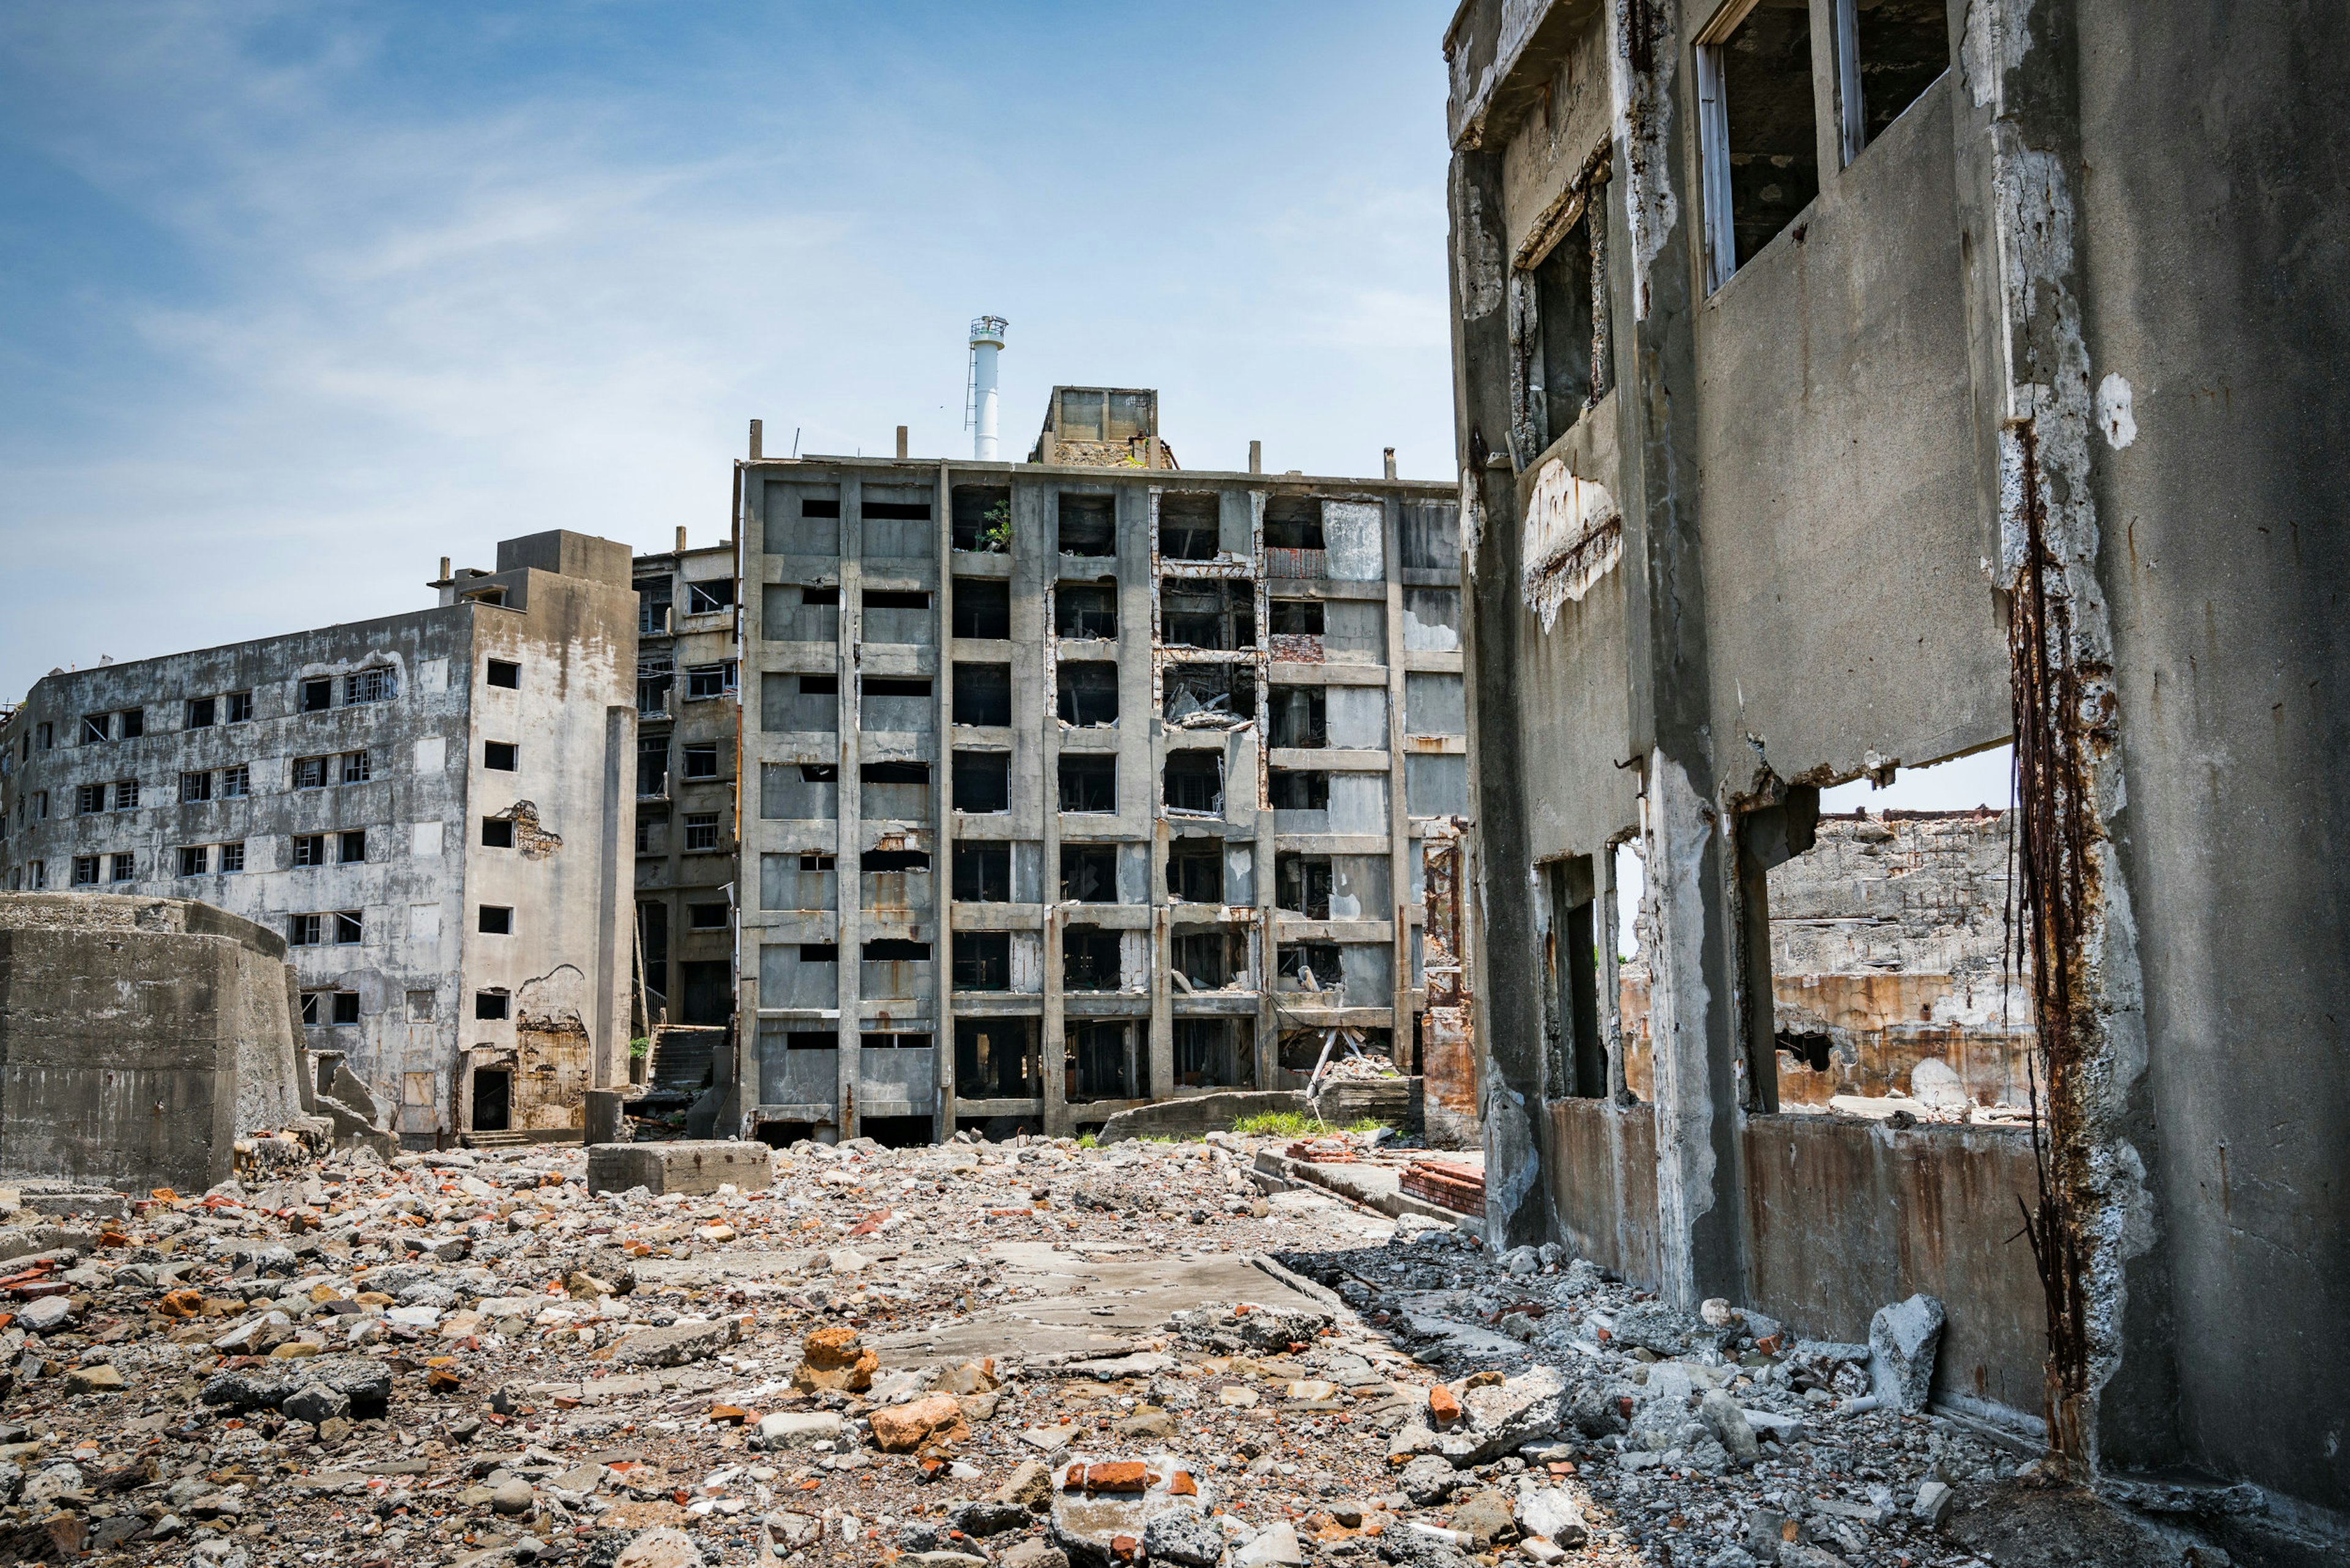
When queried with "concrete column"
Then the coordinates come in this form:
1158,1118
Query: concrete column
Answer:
616,933
942,813
1398,806
852,806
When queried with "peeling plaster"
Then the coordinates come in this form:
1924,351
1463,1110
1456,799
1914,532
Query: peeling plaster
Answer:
1480,259
1574,535
2116,416
1640,89
1680,824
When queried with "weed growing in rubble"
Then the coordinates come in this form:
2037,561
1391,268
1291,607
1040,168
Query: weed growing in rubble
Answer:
1297,1124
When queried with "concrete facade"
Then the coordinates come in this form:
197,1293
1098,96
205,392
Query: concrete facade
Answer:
1841,390
430,808
1073,784
689,724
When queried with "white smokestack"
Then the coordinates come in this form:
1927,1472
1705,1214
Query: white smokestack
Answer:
986,342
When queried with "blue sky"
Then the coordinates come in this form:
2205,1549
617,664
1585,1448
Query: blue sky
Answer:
297,298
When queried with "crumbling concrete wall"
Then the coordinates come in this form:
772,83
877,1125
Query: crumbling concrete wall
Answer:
140,1038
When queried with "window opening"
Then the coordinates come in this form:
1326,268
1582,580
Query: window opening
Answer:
498,757
1088,782
507,673
998,1059
710,597
195,859
1194,781
1312,966
982,518
490,1006
309,849
195,787
203,712
1101,1063
1300,716
497,833
1088,524
705,917
1195,870
379,684
983,781
1089,873
1089,959
350,848
1293,523
653,600
1756,131
982,694
1088,689
1188,525
983,873
497,921
239,706
318,696
982,607
1296,617
1086,610
983,960
1302,885
1217,612
1294,789
1888,52
700,832
1215,1053
231,857
701,760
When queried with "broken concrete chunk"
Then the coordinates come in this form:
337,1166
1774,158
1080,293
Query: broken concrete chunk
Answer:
366,1383
786,1428
677,1345
1551,1512
1503,1416
834,1359
1903,1341
694,1168
1728,1423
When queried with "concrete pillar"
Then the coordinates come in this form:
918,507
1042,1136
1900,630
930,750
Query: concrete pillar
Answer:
607,1121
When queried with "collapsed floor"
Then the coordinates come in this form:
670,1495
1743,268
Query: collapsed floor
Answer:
1025,1355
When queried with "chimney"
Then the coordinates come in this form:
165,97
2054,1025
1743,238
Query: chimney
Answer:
1390,462
444,569
901,441
1256,457
757,439
681,527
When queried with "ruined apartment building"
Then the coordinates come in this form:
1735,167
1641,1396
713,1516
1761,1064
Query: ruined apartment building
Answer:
1085,782
429,807
688,724
1844,387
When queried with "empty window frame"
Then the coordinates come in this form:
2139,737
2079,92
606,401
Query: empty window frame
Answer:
1188,525
494,921
652,766
195,859
1293,523
343,1008
499,756
705,917
701,760
1088,525
1088,782
97,728
318,696
235,781
982,607
710,597
982,694
1310,966
1553,348
1295,618
350,848
1300,716
983,960
231,857
379,683
1194,781
982,872
982,518
491,1005
1215,1053
1088,691
497,833
1298,789
1888,52
1086,610
1757,130
1207,960
1302,885
1208,695
203,713
656,678
707,681
1212,613
504,673
983,781
239,705
1089,873
997,1059
1102,1063
653,599
700,832
1195,870
1089,959
195,786
309,849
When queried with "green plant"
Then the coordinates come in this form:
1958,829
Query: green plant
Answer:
1296,1124
1088,1140
641,1047
997,535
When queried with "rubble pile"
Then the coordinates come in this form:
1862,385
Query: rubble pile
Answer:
959,1355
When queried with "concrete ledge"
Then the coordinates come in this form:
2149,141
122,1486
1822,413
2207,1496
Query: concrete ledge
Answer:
1194,1114
1373,1186
696,1169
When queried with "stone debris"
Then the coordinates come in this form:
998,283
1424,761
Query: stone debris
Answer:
472,1358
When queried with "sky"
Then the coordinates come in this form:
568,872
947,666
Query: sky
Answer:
297,298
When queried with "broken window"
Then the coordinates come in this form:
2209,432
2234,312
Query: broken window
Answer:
1089,689
710,597
85,871
495,920
700,832
701,760
899,792
490,1006
1756,131
897,616
1088,524
1299,716
1215,1053
239,706
126,795
1102,1062
309,849
982,694
1312,966
1089,959
88,799
318,696
982,607
1575,1058
350,848
1296,617
983,960
505,673
653,606
1088,782
1208,696
1195,870
1552,305
1293,523
195,786
1194,781
1296,789
982,872
347,928
310,1009
982,518
1188,525
377,684
203,712
1211,613
652,766
1086,610
497,833
95,728
1888,52
346,1008
235,781
231,857
195,859
357,767
655,680
498,757
983,781
997,1059
703,680
1301,885
799,791
1207,960
1089,873
888,879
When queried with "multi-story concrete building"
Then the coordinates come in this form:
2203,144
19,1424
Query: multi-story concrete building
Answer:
1842,388
1079,783
689,724
433,808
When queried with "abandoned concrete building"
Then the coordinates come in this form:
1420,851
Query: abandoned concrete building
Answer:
688,724
1085,782
1846,386
430,809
